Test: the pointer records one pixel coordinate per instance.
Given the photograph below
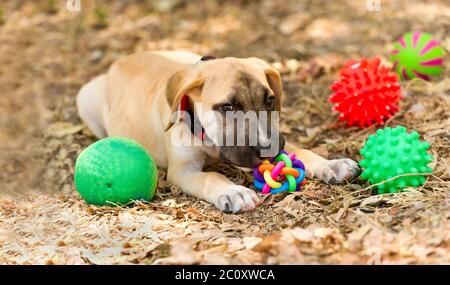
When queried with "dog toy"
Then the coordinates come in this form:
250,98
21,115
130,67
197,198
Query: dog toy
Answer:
282,173
392,152
115,171
417,55
366,93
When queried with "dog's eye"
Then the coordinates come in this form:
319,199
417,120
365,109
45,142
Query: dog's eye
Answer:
227,107
271,101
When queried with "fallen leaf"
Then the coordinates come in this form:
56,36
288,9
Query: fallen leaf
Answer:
60,129
293,22
302,234
251,242
181,253
373,201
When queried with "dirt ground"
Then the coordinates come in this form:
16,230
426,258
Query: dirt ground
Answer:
47,53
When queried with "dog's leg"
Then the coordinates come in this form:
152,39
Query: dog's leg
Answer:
329,171
186,170
214,188
90,101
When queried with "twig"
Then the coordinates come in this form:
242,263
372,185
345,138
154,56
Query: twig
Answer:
382,182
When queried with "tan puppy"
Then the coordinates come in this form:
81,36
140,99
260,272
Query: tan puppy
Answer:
140,94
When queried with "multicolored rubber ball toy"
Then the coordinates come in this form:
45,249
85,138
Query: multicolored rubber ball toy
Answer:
393,152
417,54
282,173
367,92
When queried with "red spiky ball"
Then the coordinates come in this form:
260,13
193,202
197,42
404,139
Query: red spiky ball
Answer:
367,92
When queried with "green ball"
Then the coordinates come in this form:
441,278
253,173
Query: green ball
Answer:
115,171
417,55
392,152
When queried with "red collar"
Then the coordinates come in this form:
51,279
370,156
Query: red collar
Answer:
185,108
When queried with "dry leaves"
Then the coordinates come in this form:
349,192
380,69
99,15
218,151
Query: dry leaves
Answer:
46,57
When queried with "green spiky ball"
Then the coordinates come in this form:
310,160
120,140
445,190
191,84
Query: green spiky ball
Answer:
115,171
392,152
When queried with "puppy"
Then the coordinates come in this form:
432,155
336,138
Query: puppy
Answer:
147,96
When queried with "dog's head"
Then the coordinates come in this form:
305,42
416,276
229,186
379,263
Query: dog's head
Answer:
236,103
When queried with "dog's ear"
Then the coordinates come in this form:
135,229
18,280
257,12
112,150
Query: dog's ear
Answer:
182,83
275,83
273,78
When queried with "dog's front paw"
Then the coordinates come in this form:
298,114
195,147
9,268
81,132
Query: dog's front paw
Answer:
237,198
338,170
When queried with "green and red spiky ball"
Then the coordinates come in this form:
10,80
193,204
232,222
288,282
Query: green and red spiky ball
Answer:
392,152
417,54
